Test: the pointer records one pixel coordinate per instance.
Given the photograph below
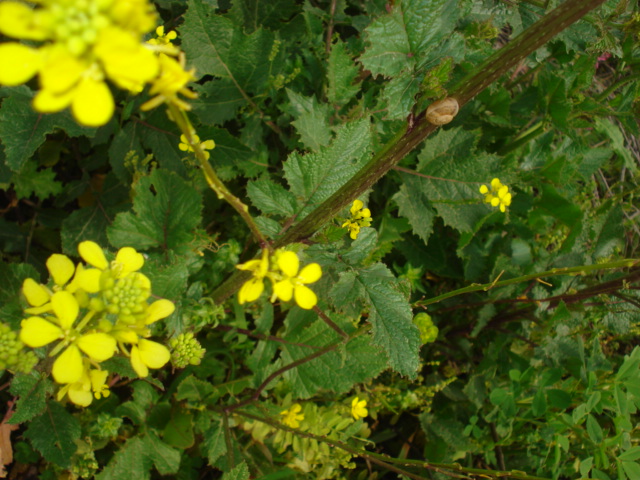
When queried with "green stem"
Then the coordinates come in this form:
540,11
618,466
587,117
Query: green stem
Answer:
221,190
409,139
394,464
581,270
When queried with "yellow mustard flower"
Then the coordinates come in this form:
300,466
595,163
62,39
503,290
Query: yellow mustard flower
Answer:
173,80
360,217
185,146
293,284
82,43
292,417
40,331
358,408
92,384
253,288
498,196
163,38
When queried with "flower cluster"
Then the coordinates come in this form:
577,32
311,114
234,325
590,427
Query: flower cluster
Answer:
186,350
283,270
92,312
360,217
293,415
498,196
75,46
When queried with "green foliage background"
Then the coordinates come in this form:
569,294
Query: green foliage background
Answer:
531,372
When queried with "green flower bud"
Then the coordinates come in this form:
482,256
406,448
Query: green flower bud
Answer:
186,350
428,331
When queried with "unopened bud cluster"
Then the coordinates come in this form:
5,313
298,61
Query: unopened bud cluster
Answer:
186,350
13,356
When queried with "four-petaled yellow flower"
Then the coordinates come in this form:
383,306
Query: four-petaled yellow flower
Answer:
41,331
92,384
163,38
185,146
293,283
499,195
358,408
292,417
82,43
253,288
360,217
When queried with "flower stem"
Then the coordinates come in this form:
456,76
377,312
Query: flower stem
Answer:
180,117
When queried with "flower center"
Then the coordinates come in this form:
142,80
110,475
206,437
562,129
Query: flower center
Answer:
127,296
77,24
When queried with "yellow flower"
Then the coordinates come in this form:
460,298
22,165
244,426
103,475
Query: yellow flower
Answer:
84,43
253,288
92,384
147,354
499,195
358,408
41,331
293,284
292,417
172,81
163,39
360,217
185,146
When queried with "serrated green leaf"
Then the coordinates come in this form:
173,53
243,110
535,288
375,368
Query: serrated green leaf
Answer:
215,46
54,434
399,95
271,198
91,223
179,430
311,120
125,144
389,49
315,176
347,294
31,181
539,404
194,390
336,371
240,472
164,458
130,461
32,391
256,13
157,137
414,205
218,101
214,443
23,130
362,246
392,320
167,210
342,73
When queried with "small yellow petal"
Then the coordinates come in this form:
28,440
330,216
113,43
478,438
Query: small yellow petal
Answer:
66,308
35,293
46,101
137,363
19,63
88,280
484,189
158,310
17,20
92,104
37,332
68,366
305,298
283,290
250,290
153,354
130,260
311,273
79,396
60,268
289,263
93,254
98,346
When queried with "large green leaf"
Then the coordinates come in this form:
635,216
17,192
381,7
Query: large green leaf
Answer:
32,390
315,176
23,130
54,434
166,211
